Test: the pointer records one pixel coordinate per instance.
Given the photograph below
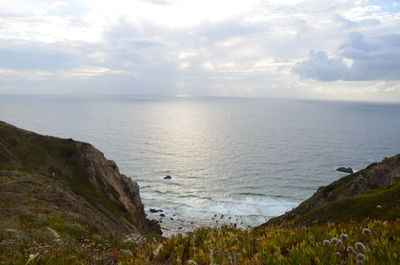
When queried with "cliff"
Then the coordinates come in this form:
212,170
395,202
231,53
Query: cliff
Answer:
62,202
65,185
373,192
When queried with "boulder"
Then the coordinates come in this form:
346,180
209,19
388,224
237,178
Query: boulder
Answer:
152,210
348,170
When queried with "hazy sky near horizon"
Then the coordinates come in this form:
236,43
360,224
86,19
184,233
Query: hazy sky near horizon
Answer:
337,49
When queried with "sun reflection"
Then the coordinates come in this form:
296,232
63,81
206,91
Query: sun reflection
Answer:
186,131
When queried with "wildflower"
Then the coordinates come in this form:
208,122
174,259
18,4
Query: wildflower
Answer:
360,256
351,250
379,206
32,257
326,242
360,247
126,252
157,250
337,254
366,232
336,242
359,262
344,237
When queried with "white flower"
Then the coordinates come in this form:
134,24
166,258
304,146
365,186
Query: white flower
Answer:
334,241
360,256
360,247
32,257
155,253
344,237
359,262
366,232
126,252
351,250
326,242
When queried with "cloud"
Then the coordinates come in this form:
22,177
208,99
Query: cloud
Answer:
319,66
38,60
157,2
193,47
357,59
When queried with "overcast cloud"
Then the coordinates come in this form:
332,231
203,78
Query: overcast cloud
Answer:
356,60
339,49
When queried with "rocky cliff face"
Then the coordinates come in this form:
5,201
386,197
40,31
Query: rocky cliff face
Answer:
105,177
74,177
373,192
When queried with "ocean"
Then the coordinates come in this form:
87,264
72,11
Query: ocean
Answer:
247,159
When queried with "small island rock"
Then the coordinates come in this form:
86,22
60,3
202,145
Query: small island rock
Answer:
345,170
167,177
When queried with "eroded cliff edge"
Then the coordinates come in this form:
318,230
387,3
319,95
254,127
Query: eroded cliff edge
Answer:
373,192
65,185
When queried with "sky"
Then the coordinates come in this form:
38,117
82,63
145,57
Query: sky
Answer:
335,50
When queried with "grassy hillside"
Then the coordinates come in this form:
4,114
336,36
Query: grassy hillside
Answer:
62,202
373,192
64,185
228,245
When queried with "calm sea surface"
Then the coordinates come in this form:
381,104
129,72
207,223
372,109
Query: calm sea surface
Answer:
249,159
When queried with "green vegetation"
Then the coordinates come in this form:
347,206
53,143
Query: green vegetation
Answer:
57,159
331,243
71,181
383,204
58,206
373,192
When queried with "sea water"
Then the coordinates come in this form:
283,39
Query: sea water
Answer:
246,159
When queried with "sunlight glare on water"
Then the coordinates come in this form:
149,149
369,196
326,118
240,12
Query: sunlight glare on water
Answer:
250,159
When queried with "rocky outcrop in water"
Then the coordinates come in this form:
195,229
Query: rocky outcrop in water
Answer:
348,170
